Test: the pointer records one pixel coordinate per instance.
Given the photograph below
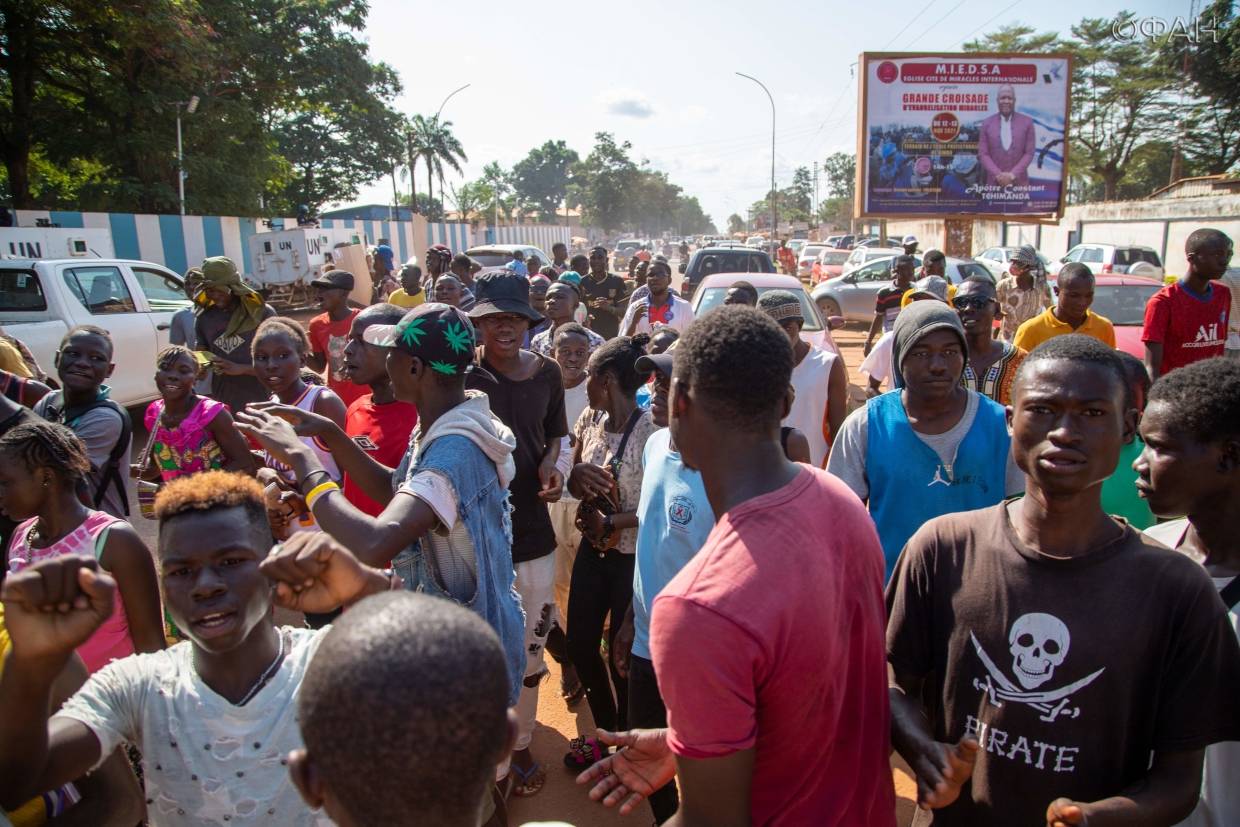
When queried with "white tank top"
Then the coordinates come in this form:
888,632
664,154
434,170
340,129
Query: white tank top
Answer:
305,402
812,380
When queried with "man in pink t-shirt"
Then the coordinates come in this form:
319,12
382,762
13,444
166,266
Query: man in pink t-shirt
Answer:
769,645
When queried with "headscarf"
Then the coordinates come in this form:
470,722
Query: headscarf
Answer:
220,273
914,323
1028,255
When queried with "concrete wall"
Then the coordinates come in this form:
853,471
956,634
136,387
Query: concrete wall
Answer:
1163,224
181,241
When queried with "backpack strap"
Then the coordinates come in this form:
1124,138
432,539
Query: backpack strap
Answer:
55,411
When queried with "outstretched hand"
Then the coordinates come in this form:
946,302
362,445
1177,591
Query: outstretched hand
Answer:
642,764
274,433
53,607
314,573
305,423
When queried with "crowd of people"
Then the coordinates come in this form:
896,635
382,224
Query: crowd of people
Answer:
1018,568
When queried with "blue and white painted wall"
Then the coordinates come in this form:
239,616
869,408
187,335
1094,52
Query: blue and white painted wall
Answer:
181,241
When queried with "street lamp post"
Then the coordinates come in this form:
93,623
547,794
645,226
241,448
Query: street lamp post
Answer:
450,96
191,106
774,208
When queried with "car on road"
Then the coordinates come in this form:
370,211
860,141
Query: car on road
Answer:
623,251
714,288
875,241
805,260
497,255
133,300
843,242
830,264
1122,299
852,295
755,241
865,255
724,258
1110,258
998,259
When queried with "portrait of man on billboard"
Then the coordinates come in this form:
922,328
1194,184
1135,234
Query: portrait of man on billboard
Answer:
1007,142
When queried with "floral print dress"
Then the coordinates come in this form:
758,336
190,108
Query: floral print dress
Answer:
188,448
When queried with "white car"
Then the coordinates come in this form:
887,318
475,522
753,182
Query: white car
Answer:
808,255
133,300
997,260
1129,260
864,255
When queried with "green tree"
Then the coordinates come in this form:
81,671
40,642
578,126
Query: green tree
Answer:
431,141
1016,37
1208,68
736,224
840,169
472,200
432,208
607,175
541,179
799,197
1119,100
268,72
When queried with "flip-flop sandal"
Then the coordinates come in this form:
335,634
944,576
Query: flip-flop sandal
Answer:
530,781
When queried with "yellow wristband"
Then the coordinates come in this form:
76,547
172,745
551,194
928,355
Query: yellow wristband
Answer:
319,490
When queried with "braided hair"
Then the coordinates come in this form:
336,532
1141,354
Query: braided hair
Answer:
619,357
48,445
165,358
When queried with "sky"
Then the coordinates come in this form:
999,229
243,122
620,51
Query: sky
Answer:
661,75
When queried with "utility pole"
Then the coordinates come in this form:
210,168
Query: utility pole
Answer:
815,213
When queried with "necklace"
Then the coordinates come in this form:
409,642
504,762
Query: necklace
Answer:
266,676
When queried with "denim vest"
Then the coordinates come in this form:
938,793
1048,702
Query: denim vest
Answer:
483,506
909,485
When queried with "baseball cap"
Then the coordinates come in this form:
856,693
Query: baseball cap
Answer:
654,363
334,279
931,286
500,290
439,334
909,239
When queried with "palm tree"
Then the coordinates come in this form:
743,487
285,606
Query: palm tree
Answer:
432,141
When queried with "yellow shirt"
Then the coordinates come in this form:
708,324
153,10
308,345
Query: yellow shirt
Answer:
1046,326
402,299
907,298
12,361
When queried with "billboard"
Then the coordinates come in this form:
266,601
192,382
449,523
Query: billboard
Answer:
973,135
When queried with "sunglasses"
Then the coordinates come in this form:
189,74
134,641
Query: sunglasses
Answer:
971,302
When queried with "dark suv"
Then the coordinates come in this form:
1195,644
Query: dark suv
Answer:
724,259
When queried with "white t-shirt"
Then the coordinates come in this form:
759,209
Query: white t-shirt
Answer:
448,544
1219,805
575,401
878,363
682,316
206,761
812,379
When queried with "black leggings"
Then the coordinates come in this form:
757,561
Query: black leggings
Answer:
601,583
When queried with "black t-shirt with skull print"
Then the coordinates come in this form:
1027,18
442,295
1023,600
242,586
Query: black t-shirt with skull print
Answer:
1069,672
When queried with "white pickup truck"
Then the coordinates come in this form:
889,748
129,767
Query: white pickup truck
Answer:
132,300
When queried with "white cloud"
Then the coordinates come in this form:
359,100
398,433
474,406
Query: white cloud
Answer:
626,103
693,113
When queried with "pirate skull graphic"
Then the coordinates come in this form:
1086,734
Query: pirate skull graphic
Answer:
1038,643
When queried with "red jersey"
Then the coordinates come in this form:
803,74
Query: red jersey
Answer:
1189,327
382,431
329,338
